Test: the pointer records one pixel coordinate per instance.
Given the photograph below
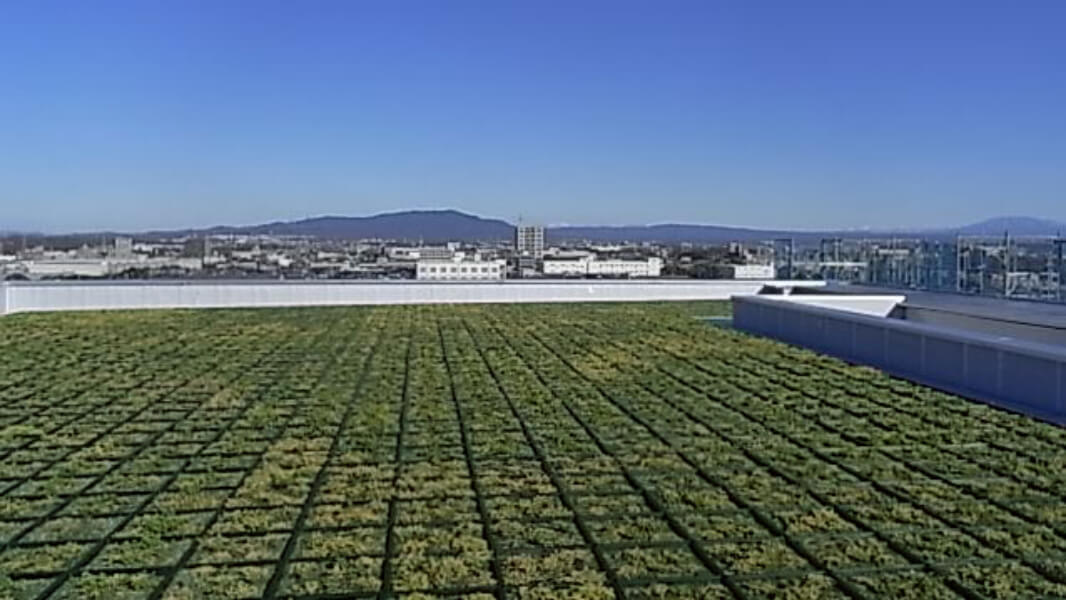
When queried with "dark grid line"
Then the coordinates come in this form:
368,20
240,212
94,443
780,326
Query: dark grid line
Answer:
183,561
590,517
1007,426
130,357
107,426
79,415
744,435
991,442
647,496
765,575
385,590
1049,574
957,587
91,362
475,484
101,476
561,488
843,511
274,583
892,385
262,384
765,521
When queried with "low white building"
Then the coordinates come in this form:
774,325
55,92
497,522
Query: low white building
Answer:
413,253
457,270
588,267
74,267
565,267
554,253
753,271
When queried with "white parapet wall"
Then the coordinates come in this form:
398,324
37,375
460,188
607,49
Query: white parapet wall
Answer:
876,306
113,295
1020,375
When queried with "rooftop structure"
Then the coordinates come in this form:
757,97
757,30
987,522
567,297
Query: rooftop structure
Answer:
1009,353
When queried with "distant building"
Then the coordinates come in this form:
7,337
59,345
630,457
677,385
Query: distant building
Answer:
529,241
753,272
526,266
413,253
588,267
568,253
90,267
459,270
123,247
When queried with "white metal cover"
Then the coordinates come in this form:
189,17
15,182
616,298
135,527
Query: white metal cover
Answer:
109,295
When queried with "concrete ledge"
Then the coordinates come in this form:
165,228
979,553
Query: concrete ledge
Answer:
1019,375
878,306
112,295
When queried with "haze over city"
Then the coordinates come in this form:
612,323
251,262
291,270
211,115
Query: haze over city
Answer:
815,115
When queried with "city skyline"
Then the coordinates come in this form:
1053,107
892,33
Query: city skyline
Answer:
829,115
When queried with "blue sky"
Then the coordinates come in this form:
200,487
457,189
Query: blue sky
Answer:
135,115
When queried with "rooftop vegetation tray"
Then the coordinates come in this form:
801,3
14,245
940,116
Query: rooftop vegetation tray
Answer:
527,451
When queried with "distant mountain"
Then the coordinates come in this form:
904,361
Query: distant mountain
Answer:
436,226
429,226
1015,225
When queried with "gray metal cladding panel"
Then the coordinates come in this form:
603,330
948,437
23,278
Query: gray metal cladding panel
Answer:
943,360
796,327
772,316
1030,380
903,351
869,343
815,331
982,369
1061,406
749,317
768,319
772,320
838,332
740,316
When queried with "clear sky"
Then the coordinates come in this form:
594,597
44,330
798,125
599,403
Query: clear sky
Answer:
806,114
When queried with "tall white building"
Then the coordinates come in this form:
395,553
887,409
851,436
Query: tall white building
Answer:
529,241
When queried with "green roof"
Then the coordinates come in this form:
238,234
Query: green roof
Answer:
494,451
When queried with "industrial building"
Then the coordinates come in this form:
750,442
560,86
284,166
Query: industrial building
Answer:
460,268
587,266
413,253
751,271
